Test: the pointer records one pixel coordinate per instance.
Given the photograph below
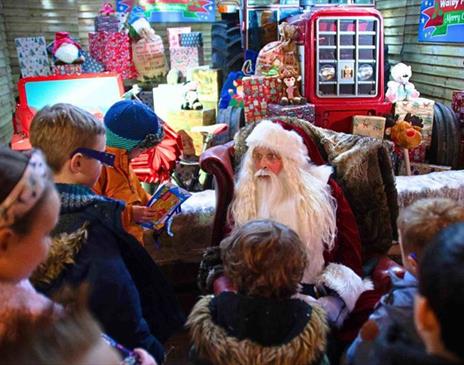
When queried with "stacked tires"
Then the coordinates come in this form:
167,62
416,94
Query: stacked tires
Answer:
227,52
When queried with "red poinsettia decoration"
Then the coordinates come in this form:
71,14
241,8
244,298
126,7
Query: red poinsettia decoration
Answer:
157,164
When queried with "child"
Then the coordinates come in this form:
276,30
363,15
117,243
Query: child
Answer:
263,323
438,307
72,339
417,225
29,207
29,210
131,128
128,294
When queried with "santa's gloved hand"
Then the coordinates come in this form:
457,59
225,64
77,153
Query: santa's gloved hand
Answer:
335,308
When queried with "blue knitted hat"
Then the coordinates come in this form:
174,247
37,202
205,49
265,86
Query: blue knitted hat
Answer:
130,124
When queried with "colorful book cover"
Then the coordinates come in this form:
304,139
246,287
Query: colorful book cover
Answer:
165,202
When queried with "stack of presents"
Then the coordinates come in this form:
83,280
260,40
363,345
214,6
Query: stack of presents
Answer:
191,94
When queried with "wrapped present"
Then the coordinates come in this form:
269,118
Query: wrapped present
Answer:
192,39
91,65
69,69
423,108
259,91
148,56
458,104
368,125
418,168
32,56
186,58
186,119
303,111
209,84
173,35
167,98
113,51
106,23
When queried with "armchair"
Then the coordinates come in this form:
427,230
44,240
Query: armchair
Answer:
220,161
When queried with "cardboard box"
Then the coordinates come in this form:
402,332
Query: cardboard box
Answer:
186,119
369,126
423,108
209,84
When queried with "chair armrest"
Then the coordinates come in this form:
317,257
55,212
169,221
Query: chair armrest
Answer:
380,274
217,161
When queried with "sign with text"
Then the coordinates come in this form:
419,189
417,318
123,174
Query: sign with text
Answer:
441,21
182,11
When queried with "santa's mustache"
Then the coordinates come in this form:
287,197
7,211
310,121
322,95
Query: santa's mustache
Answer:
264,172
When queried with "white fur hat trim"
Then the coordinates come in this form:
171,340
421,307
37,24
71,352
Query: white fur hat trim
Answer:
345,282
274,137
67,53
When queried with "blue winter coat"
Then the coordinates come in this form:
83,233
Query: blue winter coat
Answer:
128,294
396,307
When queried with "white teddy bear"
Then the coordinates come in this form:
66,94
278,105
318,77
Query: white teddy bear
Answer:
400,88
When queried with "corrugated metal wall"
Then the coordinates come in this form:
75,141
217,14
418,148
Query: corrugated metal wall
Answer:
45,17
6,95
438,68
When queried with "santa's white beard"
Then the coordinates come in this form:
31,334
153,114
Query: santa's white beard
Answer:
277,200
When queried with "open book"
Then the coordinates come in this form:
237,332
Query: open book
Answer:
165,202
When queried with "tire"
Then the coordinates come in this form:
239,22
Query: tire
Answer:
453,135
227,51
446,136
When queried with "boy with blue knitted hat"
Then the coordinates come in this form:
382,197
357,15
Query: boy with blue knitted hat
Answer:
131,128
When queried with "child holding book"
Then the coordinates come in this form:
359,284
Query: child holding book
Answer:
131,128
128,294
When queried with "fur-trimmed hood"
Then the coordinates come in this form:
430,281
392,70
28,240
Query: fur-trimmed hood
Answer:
63,251
214,345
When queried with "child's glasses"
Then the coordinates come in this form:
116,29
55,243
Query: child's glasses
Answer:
104,157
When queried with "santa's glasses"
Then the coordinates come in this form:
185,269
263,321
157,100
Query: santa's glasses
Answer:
269,156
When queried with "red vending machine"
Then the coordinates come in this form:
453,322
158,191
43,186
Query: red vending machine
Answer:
341,51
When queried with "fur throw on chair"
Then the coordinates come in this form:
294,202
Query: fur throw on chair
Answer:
363,169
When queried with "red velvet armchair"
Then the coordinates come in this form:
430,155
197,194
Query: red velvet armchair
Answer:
219,161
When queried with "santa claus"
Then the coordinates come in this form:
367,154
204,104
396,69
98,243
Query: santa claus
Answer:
278,181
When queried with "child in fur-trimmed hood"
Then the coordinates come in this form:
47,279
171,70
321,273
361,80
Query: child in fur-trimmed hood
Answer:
265,321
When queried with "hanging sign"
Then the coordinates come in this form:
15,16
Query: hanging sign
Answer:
179,11
441,21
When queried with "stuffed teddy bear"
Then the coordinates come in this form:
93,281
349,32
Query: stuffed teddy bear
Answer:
290,78
191,98
400,88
